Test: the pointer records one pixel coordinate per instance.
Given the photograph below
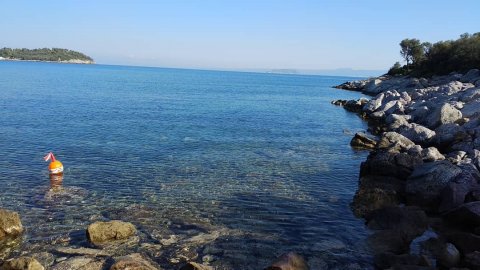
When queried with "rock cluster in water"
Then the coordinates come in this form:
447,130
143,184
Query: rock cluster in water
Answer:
419,188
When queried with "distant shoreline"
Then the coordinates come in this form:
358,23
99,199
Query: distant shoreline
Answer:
72,61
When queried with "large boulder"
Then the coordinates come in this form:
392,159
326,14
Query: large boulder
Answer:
396,121
418,134
444,114
395,142
455,193
431,154
22,263
362,140
10,224
427,181
447,134
384,163
103,232
470,95
465,242
374,103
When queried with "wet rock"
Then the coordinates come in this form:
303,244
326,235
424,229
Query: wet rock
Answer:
10,224
388,260
406,220
427,181
81,263
102,232
289,261
22,263
418,134
133,262
361,140
82,251
196,266
395,142
388,241
431,154
369,199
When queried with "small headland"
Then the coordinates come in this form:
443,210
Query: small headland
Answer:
56,55
419,189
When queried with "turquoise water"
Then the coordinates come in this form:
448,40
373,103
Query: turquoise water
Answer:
259,163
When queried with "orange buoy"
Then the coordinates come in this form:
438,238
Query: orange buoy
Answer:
55,167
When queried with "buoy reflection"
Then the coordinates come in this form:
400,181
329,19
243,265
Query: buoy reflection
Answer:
56,181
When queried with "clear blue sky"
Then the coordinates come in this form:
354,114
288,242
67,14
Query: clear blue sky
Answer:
244,34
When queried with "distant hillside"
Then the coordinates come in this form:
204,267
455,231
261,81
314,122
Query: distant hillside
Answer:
46,54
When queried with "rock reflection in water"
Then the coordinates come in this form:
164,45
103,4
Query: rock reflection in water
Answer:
56,181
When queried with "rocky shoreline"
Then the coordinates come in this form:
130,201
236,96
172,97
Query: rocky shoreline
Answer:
419,189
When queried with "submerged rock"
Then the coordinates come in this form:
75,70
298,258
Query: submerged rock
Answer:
289,261
22,263
81,263
133,262
10,224
196,266
101,232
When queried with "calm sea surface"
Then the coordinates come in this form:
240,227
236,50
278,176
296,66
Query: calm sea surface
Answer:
239,166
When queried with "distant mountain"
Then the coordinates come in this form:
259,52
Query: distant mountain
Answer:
45,54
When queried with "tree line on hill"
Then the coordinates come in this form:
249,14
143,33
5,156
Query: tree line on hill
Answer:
440,58
44,54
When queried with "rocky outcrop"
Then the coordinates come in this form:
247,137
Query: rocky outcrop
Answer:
10,224
428,156
100,233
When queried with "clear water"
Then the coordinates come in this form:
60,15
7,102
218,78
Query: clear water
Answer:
257,164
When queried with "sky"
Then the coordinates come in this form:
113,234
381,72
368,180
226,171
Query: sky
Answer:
236,35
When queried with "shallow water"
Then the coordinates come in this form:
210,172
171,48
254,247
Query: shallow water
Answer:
258,164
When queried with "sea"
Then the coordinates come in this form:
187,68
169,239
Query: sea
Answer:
231,169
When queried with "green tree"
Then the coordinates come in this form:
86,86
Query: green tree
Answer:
412,51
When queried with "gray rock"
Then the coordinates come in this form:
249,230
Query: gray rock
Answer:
418,133
471,76
470,95
374,103
10,224
427,181
393,261
371,86
471,109
395,141
442,115
432,154
449,255
447,134
102,232
22,263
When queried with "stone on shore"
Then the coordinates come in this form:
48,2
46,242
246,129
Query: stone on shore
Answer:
361,140
100,232
10,224
467,215
196,266
22,263
431,154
